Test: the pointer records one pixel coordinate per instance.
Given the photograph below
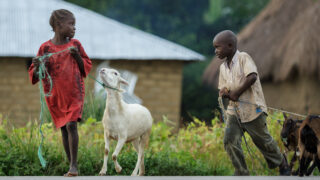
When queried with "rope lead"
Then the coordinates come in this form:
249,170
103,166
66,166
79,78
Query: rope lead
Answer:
42,74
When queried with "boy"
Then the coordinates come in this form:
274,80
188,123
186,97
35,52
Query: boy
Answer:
239,79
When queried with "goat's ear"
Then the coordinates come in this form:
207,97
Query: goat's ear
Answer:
123,81
284,115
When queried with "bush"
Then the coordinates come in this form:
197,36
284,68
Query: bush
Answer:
196,150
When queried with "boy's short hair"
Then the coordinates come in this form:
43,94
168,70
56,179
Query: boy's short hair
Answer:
229,36
58,16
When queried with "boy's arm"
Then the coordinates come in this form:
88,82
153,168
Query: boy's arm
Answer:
250,80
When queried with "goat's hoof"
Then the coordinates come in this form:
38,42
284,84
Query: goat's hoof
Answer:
102,174
118,169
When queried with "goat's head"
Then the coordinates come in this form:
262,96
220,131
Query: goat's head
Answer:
288,127
111,77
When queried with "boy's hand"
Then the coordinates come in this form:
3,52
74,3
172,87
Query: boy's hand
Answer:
233,95
224,92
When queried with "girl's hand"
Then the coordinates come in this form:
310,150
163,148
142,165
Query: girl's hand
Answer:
74,51
36,62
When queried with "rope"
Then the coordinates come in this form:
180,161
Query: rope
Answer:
274,109
103,85
224,114
238,120
245,140
268,107
42,74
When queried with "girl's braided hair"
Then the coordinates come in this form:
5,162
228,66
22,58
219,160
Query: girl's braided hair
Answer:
59,16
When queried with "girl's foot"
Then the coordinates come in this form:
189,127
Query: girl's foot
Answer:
70,174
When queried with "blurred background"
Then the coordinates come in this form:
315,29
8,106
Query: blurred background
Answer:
166,62
190,23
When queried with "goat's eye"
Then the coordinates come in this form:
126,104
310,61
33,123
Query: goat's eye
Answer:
116,74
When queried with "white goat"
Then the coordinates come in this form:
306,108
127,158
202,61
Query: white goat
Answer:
123,122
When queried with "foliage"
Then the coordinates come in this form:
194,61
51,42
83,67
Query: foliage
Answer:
187,22
198,100
195,150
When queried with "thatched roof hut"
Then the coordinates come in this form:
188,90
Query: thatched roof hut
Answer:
284,42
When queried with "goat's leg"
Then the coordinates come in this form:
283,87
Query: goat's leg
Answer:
106,153
116,152
140,163
311,168
302,166
317,162
307,163
317,157
293,160
301,158
136,145
145,140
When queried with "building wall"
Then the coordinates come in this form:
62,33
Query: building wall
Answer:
299,95
159,86
19,100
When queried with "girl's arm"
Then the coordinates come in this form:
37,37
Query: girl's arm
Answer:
36,63
75,54
82,58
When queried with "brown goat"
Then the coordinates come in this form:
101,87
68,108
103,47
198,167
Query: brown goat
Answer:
309,143
290,138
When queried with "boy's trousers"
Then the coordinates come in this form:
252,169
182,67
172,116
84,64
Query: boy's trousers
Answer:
261,137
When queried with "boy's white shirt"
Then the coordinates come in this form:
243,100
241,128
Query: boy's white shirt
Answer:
240,67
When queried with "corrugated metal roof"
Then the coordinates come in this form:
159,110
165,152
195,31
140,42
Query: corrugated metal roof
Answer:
24,26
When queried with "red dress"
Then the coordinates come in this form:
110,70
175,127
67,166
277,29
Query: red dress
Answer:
67,96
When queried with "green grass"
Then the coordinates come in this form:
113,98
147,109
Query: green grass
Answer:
194,150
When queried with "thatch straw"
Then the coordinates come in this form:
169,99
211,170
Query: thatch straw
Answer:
283,40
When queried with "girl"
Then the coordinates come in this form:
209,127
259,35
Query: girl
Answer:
67,70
